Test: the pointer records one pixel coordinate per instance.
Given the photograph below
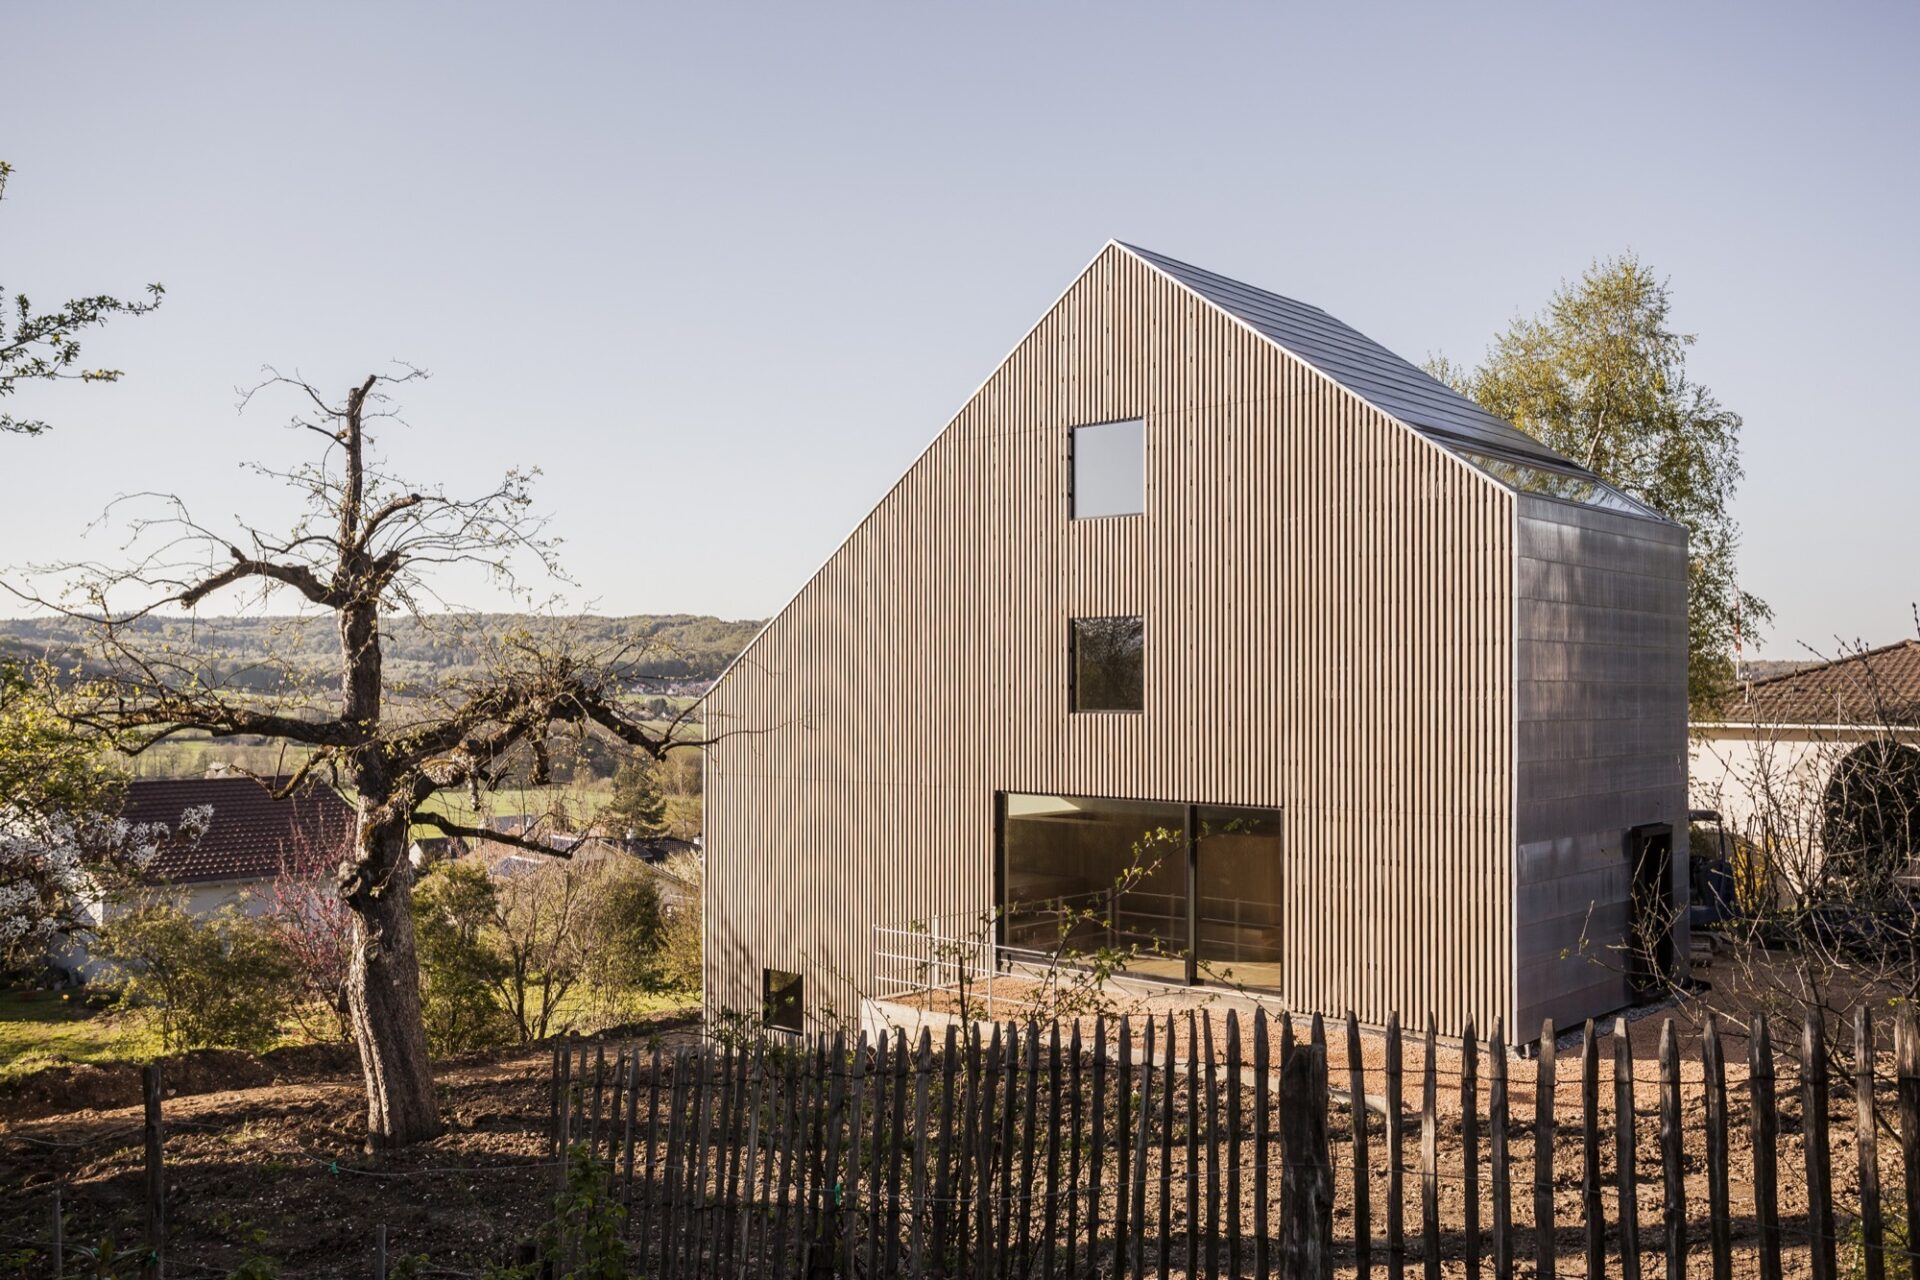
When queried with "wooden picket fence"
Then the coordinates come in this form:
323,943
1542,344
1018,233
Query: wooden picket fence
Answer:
1131,1146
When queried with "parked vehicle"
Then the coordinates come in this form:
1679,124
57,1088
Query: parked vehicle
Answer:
1711,898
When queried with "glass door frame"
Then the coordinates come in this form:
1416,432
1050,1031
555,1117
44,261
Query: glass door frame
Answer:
1190,825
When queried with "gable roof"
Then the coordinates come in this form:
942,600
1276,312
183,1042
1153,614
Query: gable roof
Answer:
249,831
1876,687
1351,361
1358,363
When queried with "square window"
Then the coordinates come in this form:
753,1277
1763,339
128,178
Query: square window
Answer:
1109,469
1107,666
781,1006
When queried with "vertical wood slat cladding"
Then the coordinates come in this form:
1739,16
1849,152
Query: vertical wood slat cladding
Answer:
1328,631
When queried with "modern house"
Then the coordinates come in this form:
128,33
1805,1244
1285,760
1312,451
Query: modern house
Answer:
1215,630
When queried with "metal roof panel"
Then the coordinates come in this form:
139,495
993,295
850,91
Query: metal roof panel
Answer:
1387,381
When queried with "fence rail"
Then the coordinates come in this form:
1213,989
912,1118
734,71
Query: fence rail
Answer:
1173,1145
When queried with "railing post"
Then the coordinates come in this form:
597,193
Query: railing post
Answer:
993,963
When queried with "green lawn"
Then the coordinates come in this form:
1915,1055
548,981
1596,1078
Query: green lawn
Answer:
44,1028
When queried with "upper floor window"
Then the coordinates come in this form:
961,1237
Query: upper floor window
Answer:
1109,664
1109,469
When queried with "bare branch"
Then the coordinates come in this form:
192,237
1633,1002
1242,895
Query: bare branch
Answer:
447,826
299,577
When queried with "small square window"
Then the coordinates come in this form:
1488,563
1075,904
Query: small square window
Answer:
1108,664
1109,469
781,1005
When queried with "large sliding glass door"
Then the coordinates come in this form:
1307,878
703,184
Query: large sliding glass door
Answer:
1185,893
1080,875
1237,912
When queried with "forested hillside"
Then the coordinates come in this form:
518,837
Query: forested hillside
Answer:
258,652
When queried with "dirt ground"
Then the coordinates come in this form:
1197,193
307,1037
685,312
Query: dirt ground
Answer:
276,1169
1568,1173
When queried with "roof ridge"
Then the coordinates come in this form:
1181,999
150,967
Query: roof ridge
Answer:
1828,664
1154,255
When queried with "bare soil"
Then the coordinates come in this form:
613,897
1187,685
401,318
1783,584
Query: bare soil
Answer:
265,1157
273,1164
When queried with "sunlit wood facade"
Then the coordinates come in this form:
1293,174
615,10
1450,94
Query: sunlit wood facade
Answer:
1333,627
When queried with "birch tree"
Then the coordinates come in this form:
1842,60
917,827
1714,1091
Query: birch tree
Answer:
1600,375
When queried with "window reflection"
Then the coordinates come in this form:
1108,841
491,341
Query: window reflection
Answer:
1083,876
1086,875
1109,664
1237,879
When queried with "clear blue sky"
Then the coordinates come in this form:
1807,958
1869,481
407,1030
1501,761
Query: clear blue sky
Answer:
723,271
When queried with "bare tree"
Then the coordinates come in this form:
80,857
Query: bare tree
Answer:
364,545
542,926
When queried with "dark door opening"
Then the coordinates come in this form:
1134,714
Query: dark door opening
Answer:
1650,915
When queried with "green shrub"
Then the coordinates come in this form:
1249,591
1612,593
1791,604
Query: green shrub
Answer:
460,974
626,928
680,941
218,981
586,1237
1853,1241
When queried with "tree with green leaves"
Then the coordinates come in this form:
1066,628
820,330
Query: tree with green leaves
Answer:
638,807
1600,375
39,346
459,971
221,981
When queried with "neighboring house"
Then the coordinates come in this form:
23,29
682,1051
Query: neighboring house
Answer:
1796,752
430,851
1365,698
248,840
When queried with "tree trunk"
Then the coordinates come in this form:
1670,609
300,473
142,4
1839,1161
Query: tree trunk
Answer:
383,992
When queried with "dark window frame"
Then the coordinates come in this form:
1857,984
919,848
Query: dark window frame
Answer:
1073,665
1073,469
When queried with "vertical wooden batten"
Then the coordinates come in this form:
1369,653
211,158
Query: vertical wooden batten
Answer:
1329,605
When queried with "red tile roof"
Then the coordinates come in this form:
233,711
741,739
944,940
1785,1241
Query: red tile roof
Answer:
1877,687
248,832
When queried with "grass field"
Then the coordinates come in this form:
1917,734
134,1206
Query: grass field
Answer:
40,1029
44,1028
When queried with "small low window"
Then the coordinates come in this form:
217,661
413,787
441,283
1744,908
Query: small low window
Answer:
780,998
1108,664
1109,469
